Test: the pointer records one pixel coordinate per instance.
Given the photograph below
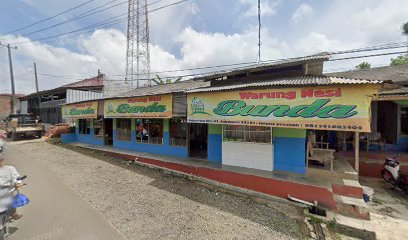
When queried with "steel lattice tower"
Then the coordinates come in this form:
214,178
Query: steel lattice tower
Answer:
138,49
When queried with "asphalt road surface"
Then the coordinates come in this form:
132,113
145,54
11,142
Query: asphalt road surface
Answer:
55,211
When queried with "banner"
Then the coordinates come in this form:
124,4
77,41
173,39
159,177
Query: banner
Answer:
139,107
345,108
80,110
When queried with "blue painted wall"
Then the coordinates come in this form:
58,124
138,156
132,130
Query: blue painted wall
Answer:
88,138
215,143
68,138
164,149
289,150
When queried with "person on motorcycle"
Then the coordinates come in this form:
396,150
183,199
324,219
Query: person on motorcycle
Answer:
8,179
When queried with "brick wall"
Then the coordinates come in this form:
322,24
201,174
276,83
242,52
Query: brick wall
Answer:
5,105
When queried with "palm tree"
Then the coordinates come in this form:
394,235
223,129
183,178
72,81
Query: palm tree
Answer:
405,32
159,81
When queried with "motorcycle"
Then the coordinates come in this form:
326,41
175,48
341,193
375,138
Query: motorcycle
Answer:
2,142
12,199
391,173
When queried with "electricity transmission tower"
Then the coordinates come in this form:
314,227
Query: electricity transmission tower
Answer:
138,50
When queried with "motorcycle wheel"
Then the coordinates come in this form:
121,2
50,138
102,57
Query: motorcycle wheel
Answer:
3,233
387,177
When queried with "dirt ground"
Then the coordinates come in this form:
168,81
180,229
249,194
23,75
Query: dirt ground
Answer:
146,204
387,200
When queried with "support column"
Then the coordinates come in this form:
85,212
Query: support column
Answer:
166,134
356,151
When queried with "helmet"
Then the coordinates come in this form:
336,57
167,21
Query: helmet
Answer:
20,200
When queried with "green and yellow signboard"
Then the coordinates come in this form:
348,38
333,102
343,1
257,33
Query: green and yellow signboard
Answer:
159,106
345,108
80,110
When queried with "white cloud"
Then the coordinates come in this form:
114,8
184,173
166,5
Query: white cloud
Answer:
301,11
268,7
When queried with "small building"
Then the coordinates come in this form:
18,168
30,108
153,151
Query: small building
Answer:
46,104
283,123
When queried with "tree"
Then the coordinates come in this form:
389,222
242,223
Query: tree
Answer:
405,32
363,65
400,60
159,81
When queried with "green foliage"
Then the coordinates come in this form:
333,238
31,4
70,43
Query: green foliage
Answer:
159,81
400,60
405,28
315,220
331,225
363,65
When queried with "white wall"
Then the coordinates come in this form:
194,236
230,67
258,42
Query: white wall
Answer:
80,95
249,155
23,106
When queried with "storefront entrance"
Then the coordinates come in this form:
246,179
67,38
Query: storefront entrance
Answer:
108,129
198,140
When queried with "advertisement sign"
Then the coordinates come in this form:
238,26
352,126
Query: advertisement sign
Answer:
345,108
80,110
139,107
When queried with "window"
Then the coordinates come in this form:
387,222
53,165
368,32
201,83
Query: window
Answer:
84,126
178,132
149,131
123,129
242,133
98,127
404,120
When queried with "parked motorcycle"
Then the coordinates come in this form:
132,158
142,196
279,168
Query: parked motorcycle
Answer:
10,200
2,141
391,173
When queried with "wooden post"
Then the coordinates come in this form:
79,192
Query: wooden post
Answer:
356,151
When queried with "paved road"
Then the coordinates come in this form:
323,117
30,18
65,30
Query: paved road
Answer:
55,211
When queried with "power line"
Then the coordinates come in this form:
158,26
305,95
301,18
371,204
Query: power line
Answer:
372,48
104,23
74,19
372,55
93,12
49,18
214,72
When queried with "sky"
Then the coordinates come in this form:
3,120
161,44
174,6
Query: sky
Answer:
195,33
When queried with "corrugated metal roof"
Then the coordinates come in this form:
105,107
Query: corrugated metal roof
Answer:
181,86
398,92
397,74
293,81
95,83
321,57
89,82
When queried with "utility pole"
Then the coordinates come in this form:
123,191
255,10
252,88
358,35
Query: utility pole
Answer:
259,31
13,90
36,86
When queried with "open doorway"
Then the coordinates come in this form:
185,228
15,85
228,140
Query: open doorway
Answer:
108,127
198,140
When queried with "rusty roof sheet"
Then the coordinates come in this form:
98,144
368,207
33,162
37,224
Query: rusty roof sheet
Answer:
292,81
320,57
